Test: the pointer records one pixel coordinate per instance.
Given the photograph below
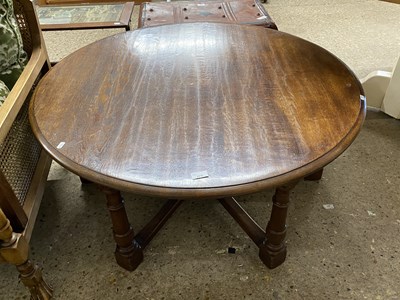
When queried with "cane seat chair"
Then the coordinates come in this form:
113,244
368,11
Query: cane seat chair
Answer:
24,165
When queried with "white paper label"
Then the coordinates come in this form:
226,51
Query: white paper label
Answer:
199,175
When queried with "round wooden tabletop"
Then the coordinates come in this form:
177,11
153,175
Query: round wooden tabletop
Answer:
197,110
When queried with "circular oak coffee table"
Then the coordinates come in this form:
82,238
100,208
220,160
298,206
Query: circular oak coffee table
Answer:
206,111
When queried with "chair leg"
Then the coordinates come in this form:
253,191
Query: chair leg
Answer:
31,277
14,249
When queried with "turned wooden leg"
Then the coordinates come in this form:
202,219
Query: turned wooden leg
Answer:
273,249
31,277
128,252
14,249
314,176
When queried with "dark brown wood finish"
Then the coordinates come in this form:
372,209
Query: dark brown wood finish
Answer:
253,108
129,249
272,241
273,250
147,233
198,110
128,252
253,230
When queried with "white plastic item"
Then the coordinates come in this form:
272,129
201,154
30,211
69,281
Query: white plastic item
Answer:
391,102
382,90
375,86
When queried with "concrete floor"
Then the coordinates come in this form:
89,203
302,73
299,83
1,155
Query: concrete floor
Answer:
349,252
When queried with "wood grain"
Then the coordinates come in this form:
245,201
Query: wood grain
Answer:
142,111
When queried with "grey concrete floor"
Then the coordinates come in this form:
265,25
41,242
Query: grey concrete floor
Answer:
348,252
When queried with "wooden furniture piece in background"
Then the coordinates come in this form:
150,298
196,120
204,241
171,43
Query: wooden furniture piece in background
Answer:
250,12
79,2
86,16
208,111
23,163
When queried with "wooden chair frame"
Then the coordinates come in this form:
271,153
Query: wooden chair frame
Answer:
18,210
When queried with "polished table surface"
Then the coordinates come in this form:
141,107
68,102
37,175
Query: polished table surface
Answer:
147,111
197,110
